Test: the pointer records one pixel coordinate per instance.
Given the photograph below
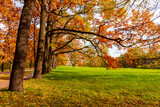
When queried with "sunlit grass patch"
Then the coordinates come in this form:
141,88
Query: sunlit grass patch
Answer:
85,86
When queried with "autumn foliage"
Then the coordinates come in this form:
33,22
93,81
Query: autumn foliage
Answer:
9,18
74,32
141,57
118,30
115,28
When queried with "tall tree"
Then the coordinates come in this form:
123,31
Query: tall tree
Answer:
45,67
19,63
41,42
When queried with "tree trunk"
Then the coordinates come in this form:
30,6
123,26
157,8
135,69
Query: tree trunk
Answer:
41,43
19,63
2,66
45,68
54,62
50,58
30,64
2,69
50,50
34,41
74,65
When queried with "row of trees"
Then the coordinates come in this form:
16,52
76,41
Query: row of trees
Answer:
141,57
84,29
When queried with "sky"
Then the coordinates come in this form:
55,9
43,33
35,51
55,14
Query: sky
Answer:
1,25
114,52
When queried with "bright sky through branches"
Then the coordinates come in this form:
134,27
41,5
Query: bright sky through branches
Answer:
114,51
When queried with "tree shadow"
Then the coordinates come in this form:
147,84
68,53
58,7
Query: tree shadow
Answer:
4,90
68,75
71,76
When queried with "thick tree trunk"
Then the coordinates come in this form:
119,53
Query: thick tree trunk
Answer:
54,62
45,68
19,63
41,43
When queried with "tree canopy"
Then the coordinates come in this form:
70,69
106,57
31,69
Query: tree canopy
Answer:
70,30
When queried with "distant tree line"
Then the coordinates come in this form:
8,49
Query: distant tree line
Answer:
141,57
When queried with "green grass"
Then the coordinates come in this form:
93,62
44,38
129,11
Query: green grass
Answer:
84,86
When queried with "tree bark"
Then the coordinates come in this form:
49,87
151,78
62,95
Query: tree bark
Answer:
30,64
34,41
50,59
41,43
54,62
2,69
2,66
45,68
19,63
46,65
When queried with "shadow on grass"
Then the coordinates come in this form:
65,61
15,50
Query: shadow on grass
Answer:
73,75
4,90
68,75
64,72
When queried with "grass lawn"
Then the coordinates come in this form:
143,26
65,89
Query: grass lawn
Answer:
84,86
